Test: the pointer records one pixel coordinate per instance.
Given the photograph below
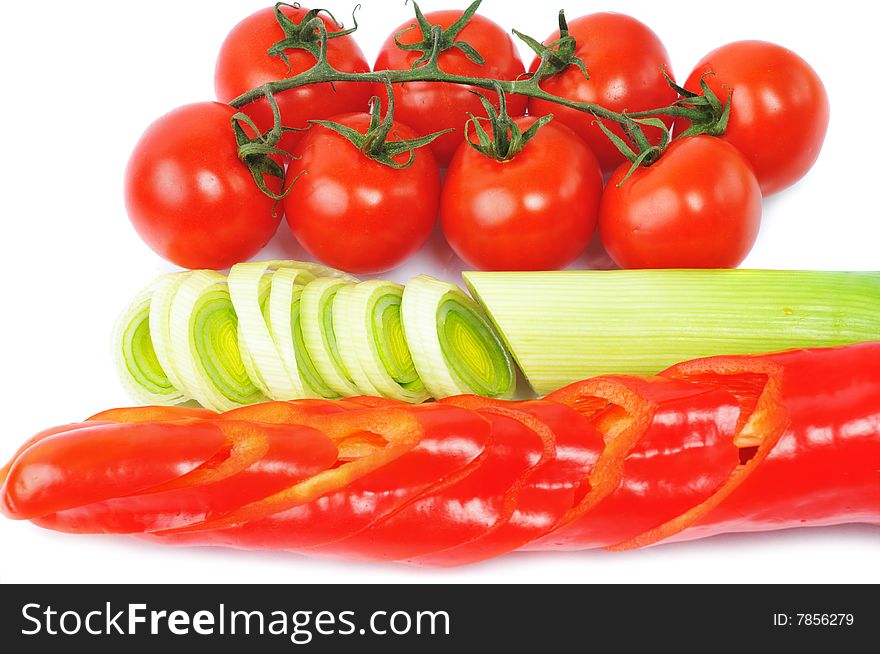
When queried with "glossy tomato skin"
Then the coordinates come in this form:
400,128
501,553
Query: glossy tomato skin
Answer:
354,213
243,64
188,194
779,112
430,107
699,206
624,58
534,212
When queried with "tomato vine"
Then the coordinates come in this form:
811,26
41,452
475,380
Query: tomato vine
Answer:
705,112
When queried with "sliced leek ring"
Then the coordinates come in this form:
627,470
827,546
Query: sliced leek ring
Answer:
369,332
249,289
204,344
286,328
140,371
319,337
454,347
164,290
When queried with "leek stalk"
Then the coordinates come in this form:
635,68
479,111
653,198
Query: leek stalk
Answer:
569,325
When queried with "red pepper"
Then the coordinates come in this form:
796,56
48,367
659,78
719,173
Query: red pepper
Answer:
424,443
551,490
817,419
721,444
669,447
263,460
460,507
36,438
153,414
106,460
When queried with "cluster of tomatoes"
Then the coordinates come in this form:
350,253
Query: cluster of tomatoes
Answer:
699,205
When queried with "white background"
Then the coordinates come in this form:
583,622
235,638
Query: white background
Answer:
81,80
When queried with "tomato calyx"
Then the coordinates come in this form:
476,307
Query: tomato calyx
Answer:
645,154
507,139
310,34
435,39
374,142
556,56
705,111
257,152
711,116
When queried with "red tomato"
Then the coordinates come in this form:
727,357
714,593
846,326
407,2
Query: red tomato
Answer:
699,206
779,111
534,212
188,194
430,107
625,59
244,64
353,213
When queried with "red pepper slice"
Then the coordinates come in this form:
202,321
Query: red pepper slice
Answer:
153,414
460,508
126,414
106,460
649,473
818,462
424,443
36,438
374,402
269,458
293,412
551,490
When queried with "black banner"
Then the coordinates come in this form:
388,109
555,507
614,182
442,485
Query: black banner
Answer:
434,618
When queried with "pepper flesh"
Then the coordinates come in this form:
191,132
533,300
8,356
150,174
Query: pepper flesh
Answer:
736,443
288,455
450,439
819,458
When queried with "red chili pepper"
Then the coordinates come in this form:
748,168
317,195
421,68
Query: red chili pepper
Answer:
105,460
263,460
817,418
424,443
460,507
550,491
36,438
648,471
153,414
720,444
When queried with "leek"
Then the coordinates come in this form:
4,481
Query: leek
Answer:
285,321
137,363
285,330
372,346
165,288
455,349
565,326
249,288
316,311
204,344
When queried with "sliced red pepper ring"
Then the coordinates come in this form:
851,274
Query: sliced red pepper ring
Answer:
646,463
550,491
153,414
291,454
456,509
105,460
825,467
36,438
293,412
684,456
621,415
373,401
757,383
340,501
305,411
